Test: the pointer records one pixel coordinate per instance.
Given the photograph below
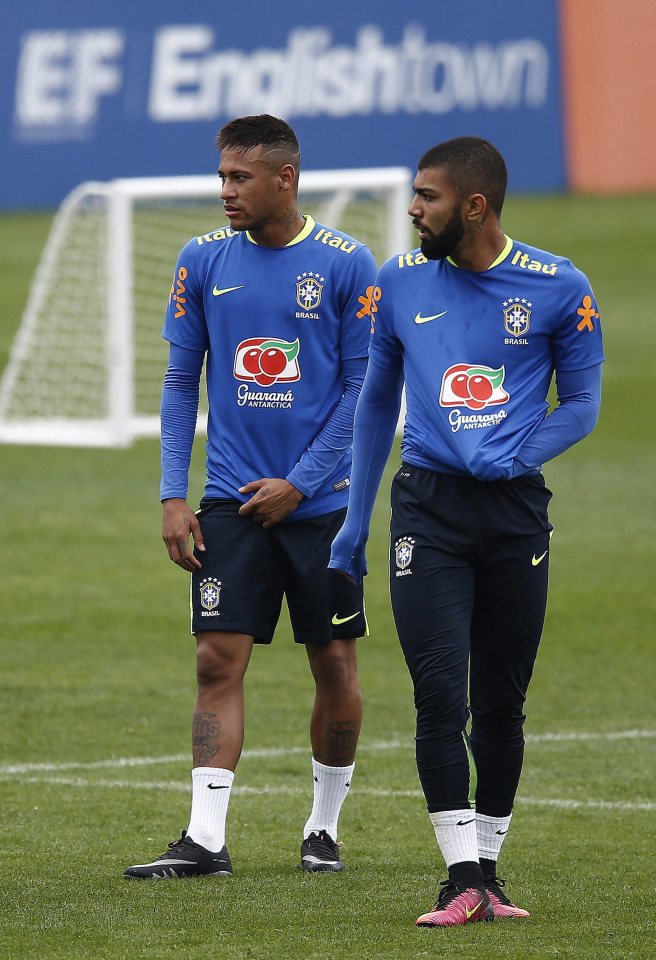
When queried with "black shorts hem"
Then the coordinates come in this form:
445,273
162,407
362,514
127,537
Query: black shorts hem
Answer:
262,635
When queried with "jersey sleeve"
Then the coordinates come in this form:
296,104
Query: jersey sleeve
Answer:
577,340
354,300
184,320
385,349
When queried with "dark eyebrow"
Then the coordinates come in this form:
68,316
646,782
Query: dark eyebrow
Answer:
425,191
236,172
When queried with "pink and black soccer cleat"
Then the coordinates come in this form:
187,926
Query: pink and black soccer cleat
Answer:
456,906
502,904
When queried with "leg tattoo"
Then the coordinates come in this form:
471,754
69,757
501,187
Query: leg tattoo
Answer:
205,738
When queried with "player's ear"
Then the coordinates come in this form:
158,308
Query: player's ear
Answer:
475,208
287,177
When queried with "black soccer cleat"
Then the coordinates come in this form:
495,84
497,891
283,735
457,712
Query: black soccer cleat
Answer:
320,853
183,859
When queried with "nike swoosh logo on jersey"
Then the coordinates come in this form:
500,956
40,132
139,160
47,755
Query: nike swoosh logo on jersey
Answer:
436,316
539,559
470,913
337,620
217,292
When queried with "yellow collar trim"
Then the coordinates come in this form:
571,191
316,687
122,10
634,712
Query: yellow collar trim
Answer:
305,232
502,256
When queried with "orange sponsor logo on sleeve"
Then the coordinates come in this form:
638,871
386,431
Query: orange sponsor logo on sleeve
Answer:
178,290
588,315
369,304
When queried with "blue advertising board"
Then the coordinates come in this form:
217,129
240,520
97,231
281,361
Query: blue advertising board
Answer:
94,91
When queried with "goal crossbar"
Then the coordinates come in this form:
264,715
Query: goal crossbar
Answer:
85,371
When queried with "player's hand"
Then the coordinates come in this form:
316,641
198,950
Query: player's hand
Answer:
273,499
178,521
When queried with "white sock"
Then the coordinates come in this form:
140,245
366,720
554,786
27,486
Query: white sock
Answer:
455,831
491,832
210,794
331,784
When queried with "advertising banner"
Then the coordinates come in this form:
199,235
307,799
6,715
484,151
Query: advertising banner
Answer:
95,91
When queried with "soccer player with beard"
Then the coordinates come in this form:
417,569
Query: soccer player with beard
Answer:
476,324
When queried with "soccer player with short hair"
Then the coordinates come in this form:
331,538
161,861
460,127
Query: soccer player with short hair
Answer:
476,324
277,307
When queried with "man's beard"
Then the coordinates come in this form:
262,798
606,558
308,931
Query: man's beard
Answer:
443,244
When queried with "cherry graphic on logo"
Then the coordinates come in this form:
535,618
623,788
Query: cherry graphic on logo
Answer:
480,388
251,360
460,386
273,361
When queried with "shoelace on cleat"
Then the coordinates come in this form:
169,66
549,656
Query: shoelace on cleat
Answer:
496,884
184,841
322,839
448,893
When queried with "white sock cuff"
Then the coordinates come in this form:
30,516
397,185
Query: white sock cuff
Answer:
491,832
218,772
332,771
455,832
449,818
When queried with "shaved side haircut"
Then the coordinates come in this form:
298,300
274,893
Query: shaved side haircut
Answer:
274,135
471,165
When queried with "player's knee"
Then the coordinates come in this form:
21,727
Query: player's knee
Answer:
498,726
335,669
216,666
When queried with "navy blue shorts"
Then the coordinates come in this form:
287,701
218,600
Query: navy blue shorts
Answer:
247,570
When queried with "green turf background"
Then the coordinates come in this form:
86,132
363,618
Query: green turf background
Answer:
96,663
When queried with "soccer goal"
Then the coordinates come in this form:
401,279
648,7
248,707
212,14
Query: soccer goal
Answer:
88,360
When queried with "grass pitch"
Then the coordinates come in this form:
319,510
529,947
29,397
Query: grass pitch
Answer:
97,691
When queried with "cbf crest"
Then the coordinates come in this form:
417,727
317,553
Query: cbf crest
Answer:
309,288
210,593
403,548
517,316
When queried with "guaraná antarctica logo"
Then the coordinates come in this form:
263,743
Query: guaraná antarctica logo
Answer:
265,360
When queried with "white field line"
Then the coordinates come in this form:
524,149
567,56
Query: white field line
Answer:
9,770
46,771
268,790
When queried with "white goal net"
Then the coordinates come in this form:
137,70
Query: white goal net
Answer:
88,360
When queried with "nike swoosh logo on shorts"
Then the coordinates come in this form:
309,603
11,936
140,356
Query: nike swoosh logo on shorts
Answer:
436,316
539,559
337,620
217,292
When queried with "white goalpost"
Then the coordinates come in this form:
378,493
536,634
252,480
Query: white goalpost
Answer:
87,362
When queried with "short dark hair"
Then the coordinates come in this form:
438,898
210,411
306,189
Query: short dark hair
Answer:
472,165
272,133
